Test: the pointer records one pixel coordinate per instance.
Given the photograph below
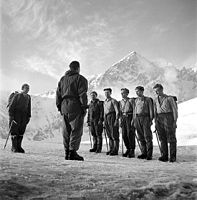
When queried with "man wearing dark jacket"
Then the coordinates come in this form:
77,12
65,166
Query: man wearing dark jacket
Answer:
71,101
95,122
19,113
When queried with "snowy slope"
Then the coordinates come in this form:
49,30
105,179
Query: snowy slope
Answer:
187,123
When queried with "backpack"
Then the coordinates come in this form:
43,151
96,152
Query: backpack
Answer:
175,100
11,97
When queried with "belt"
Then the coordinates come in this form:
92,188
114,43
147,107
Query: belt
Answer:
126,114
142,115
167,113
110,113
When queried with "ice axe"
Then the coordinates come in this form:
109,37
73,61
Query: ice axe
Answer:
156,133
138,142
90,136
13,122
105,137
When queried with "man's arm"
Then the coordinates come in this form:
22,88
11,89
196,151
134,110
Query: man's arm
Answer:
58,97
101,107
174,108
116,108
82,92
12,106
150,106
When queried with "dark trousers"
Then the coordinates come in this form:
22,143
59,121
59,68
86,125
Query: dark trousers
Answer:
112,132
128,132
167,134
96,131
142,125
21,120
72,131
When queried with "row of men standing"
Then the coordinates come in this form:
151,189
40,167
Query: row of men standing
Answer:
71,101
133,114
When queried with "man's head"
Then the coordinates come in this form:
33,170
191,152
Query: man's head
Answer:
93,95
139,91
108,92
158,88
124,92
25,88
75,66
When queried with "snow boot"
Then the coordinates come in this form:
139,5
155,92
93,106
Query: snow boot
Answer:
173,147
99,145
163,159
14,144
126,153
142,156
94,145
19,142
66,154
73,155
131,153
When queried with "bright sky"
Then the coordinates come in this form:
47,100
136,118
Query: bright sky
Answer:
39,38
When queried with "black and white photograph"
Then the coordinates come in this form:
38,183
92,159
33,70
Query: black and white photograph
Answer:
98,99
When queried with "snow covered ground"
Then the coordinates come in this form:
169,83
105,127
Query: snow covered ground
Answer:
42,173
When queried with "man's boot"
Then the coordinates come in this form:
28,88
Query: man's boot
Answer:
66,154
99,145
19,142
73,155
94,145
173,151
14,144
116,148
126,153
131,154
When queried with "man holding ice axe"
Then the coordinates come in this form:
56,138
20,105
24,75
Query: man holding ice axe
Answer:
95,122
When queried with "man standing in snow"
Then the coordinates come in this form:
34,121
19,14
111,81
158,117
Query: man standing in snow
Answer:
166,115
143,116
19,113
128,130
95,122
71,101
111,116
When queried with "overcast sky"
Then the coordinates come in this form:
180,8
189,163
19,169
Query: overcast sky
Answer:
39,38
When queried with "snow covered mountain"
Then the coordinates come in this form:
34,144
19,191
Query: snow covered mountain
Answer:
129,72
134,70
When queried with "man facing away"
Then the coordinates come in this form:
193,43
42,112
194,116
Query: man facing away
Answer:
111,116
166,115
19,112
143,116
126,116
95,122
71,101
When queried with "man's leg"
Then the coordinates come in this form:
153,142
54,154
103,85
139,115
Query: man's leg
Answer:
66,131
131,137
93,133
125,136
99,130
171,137
76,122
14,131
109,133
139,128
163,138
148,137
115,135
